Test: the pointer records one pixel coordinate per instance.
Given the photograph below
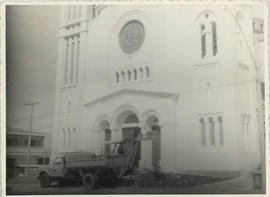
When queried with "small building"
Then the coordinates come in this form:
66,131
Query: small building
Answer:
16,150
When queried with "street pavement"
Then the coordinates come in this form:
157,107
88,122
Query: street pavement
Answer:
30,186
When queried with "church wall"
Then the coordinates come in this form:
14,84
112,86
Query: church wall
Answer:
172,50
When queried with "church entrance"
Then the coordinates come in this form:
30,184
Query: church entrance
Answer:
128,122
129,135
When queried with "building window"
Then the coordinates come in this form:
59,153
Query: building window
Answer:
123,76
203,41
214,38
66,62
94,11
71,60
147,72
17,140
208,33
141,73
131,36
135,74
262,90
203,130
43,161
220,130
211,125
117,77
129,75
211,131
36,141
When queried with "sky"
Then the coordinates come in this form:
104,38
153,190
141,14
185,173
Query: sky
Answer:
32,33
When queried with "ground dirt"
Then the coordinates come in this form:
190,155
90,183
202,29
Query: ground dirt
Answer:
30,186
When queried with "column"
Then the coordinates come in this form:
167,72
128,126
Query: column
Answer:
73,138
115,134
146,150
65,140
69,139
62,140
168,147
94,141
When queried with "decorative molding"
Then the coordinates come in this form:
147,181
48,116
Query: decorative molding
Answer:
206,65
131,74
130,92
243,66
73,22
149,113
166,124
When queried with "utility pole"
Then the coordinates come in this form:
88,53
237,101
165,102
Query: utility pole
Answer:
29,136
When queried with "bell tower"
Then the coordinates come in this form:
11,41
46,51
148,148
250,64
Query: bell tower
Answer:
72,40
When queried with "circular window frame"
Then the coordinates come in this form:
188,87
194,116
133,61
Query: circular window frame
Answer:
140,45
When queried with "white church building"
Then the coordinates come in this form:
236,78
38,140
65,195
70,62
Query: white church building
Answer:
192,76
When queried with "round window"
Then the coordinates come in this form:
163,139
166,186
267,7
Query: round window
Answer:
131,36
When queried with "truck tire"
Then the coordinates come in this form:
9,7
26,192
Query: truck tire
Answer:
89,181
45,180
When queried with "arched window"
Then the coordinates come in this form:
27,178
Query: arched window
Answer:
220,130
135,74
203,41
123,76
147,72
208,33
214,37
129,75
211,124
117,77
141,73
203,134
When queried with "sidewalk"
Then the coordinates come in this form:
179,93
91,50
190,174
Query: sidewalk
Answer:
234,186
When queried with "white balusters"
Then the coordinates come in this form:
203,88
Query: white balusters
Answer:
129,75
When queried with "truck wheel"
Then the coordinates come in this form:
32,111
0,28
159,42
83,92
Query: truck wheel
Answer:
89,181
45,180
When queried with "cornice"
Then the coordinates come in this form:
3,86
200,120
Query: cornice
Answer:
131,92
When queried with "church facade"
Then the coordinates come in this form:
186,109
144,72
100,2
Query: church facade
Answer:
189,76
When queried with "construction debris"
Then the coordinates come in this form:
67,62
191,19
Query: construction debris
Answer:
148,178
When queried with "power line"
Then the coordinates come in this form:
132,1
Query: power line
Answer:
180,93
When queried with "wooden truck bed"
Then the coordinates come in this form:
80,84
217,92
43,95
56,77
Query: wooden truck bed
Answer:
87,159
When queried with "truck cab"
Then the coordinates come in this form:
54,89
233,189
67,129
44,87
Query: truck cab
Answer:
52,171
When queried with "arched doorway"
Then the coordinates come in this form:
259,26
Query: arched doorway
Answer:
128,123
104,128
152,123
